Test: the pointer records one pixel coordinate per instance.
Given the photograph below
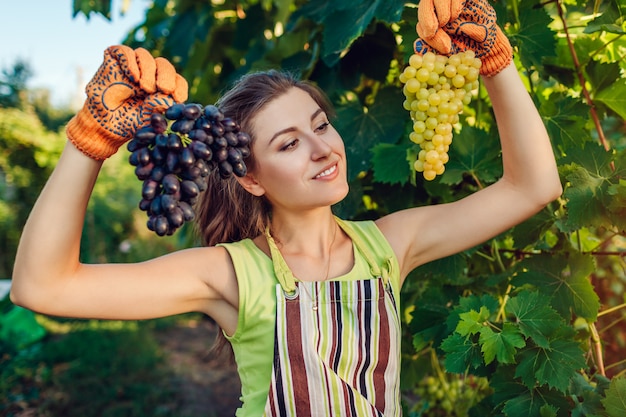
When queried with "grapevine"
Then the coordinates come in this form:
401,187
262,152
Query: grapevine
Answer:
436,88
174,156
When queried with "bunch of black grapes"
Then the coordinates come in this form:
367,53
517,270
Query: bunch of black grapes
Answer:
174,156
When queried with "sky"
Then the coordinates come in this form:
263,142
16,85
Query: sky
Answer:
57,46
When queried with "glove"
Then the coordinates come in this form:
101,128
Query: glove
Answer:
127,88
471,25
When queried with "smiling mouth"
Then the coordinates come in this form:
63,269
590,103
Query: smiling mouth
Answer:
327,172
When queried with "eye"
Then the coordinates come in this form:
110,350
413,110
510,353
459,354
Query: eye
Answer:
323,127
290,145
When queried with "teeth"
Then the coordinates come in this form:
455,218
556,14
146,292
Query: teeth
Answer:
327,172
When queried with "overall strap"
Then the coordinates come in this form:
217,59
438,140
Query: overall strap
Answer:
281,269
385,271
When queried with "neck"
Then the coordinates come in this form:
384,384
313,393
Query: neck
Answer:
305,233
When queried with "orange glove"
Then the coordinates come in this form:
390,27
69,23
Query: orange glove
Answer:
471,25
127,88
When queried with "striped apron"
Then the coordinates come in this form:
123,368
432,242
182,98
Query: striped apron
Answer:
337,345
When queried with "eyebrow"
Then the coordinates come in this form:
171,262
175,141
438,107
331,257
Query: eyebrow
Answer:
291,128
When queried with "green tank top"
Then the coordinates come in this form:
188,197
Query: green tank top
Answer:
253,341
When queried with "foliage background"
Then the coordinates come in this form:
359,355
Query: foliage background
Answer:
530,323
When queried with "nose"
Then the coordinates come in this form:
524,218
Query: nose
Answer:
320,148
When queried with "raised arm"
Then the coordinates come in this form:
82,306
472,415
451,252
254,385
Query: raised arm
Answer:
48,276
530,179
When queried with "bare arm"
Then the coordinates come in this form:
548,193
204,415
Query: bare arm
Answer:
49,278
529,182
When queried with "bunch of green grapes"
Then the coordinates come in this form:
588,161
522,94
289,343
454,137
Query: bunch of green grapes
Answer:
436,89
451,396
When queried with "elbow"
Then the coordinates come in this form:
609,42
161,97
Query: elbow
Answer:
547,192
18,297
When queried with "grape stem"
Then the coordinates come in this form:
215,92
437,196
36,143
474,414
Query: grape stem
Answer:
597,348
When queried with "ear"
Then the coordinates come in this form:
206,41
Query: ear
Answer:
251,185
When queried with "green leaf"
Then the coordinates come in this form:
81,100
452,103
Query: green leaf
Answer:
529,232
472,321
614,96
527,404
587,398
589,173
501,345
617,204
534,38
472,303
602,75
536,319
554,366
473,152
611,19
565,279
584,201
344,21
86,7
461,354
564,118
449,270
548,410
363,128
390,165
615,398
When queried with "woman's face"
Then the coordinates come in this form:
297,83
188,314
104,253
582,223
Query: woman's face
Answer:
300,159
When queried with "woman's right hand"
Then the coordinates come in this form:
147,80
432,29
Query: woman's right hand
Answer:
452,26
127,88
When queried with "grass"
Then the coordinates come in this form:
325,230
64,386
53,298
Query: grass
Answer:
87,368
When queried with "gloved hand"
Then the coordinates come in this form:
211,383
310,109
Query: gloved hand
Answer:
451,26
127,88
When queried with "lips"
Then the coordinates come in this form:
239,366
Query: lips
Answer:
326,172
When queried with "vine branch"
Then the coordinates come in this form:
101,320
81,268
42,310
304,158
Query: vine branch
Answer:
581,78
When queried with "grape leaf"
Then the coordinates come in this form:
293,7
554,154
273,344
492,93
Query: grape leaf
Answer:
428,324
564,119
615,398
389,163
617,204
361,129
588,172
428,319
527,404
451,269
565,280
548,410
461,353
586,397
472,152
602,75
610,20
536,319
531,230
614,96
554,367
534,38
472,321
501,345
344,21
86,7
472,303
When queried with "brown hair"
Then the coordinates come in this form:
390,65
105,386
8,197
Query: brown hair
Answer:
227,212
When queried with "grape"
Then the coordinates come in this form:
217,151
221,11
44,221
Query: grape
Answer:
436,88
174,155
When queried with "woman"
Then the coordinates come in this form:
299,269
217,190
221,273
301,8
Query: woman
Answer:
307,300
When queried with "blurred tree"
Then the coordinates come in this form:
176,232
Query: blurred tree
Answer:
13,84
